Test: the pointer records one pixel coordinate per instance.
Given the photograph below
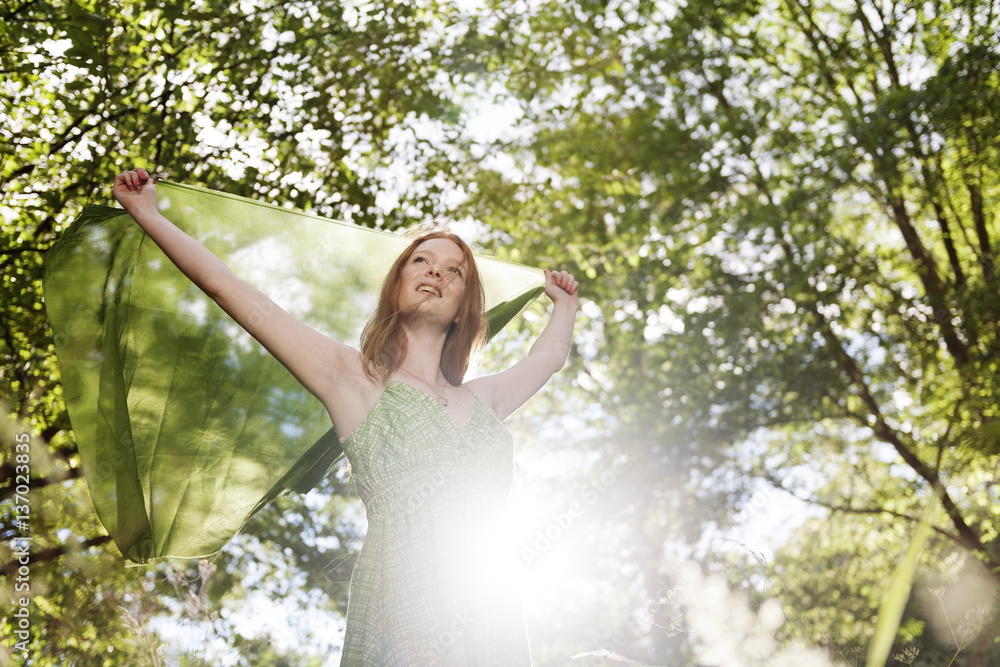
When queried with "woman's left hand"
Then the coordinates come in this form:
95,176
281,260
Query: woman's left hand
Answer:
561,286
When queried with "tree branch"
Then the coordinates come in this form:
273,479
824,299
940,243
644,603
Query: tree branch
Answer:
982,234
19,250
848,509
811,31
53,553
12,14
8,492
967,536
67,136
930,278
7,470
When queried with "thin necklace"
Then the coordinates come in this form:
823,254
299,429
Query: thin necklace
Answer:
440,394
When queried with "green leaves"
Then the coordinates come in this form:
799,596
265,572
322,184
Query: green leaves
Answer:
190,91
778,210
87,31
783,212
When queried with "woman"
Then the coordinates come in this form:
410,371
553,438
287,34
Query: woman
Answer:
432,463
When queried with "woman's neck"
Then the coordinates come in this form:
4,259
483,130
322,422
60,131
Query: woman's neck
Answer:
423,354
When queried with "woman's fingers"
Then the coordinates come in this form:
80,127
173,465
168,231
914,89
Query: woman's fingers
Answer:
564,280
130,191
133,179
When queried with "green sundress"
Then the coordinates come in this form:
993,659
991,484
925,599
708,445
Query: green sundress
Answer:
434,583
186,428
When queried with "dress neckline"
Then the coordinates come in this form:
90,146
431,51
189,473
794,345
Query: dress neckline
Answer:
435,405
472,412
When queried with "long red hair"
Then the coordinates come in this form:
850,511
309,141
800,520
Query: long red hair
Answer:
383,341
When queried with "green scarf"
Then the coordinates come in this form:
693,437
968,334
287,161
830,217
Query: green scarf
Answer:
185,425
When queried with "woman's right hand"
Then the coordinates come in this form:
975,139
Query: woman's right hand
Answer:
134,190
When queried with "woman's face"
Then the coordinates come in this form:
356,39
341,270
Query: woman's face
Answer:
433,280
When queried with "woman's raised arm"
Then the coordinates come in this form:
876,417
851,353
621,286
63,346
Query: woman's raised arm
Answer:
320,363
505,392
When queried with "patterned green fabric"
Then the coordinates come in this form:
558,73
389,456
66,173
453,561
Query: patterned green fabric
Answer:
435,582
185,425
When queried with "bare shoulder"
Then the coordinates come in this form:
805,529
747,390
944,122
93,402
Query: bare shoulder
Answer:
483,388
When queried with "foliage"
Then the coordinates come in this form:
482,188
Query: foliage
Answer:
783,213
302,103
789,228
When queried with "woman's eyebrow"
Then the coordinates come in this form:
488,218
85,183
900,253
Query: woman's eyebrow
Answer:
460,263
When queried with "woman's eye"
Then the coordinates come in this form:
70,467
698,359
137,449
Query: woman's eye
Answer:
419,259
456,270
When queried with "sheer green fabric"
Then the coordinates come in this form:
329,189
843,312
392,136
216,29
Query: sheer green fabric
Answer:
186,426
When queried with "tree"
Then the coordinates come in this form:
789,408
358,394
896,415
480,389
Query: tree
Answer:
785,220
300,103
789,227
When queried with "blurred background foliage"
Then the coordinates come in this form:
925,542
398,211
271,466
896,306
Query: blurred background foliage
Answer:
784,217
